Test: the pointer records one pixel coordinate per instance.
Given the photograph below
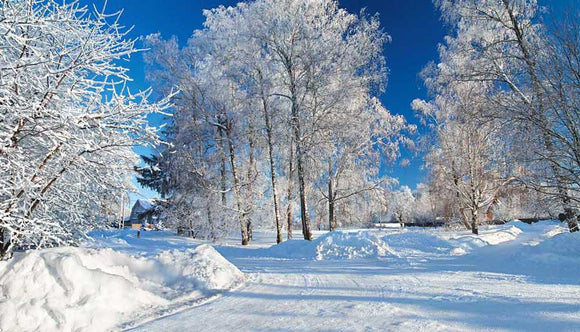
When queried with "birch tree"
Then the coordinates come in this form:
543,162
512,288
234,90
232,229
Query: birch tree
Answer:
292,90
505,42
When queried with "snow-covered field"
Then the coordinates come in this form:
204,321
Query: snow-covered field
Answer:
515,277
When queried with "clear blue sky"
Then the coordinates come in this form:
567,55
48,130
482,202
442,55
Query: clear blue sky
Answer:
413,25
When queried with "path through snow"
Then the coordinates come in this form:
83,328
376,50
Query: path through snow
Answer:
423,287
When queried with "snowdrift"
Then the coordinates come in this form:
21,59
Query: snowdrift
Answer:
378,244
557,255
462,244
333,246
351,245
76,289
545,251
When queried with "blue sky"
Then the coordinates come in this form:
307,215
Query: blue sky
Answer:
413,25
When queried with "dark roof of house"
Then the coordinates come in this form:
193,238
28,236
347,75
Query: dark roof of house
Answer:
141,207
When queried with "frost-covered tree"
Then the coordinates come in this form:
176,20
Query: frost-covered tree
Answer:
368,136
196,158
286,91
67,121
401,205
466,159
324,56
530,72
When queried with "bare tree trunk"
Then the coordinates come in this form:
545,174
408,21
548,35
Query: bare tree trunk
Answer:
569,217
237,187
122,222
307,217
223,167
212,234
331,223
474,224
272,170
458,214
306,232
290,189
299,152
250,198
331,220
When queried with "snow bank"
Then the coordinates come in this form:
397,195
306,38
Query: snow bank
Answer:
333,245
544,251
434,242
410,243
462,244
550,254
377,244
76,289
290,249
351,245
202,268
501,236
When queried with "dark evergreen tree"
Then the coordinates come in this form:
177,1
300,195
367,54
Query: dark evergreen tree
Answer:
153,175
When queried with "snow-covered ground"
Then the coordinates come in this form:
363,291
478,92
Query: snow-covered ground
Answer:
515,277
95,288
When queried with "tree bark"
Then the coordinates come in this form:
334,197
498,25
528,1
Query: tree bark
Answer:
331,223
223,167
458,213
290,189
306,232
237,187
250,198
571,219
474,228
272,169
212,234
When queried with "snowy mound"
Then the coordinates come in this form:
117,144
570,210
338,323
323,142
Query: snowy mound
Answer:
543,250
290,249
414,242
503,235
406,243
556,255
351,245
202,268
334,245
464,243
553,251
75,289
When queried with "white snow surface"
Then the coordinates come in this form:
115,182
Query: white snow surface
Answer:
514,277
84,289
332,246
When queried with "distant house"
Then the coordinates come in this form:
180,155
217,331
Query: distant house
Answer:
142,214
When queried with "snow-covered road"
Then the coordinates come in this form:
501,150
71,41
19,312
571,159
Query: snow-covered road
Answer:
419,291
